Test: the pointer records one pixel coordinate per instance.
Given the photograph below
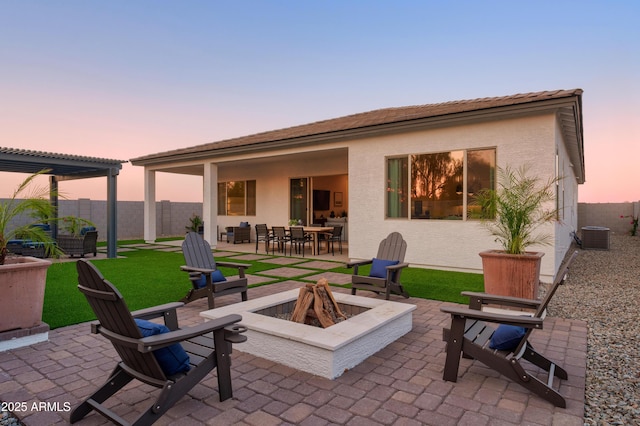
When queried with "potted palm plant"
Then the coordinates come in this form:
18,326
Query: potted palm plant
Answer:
513,213
23,278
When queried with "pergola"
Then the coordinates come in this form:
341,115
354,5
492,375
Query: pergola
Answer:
62,167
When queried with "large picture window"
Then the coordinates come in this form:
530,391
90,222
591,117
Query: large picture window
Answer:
237,198
438,185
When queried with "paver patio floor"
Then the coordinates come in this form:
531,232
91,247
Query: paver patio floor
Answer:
401,384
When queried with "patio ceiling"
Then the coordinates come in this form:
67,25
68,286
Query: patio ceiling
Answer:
197,169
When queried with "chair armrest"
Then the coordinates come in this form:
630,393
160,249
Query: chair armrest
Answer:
194,269
151,343
239,266
476,300
233,265
156,311
359,263
466,313
397,267
168,312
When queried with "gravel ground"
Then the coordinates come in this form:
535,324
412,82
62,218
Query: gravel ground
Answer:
8,419
603,289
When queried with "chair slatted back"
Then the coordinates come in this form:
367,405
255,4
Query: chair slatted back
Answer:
114,316
197,252
560,279
561,276
262,231
297,232
393,247
337,232
279,232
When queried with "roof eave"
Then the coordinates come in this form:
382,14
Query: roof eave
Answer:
357,133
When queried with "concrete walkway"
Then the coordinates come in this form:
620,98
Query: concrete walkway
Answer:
401,384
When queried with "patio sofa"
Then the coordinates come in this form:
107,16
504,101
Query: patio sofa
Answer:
79,245
239,234
27,247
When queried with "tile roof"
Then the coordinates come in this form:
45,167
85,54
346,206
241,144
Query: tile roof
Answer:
368,119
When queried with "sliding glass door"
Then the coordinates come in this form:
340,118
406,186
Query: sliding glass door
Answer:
299,193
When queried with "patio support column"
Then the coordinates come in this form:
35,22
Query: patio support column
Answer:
149,205
53,197
112,213
210,203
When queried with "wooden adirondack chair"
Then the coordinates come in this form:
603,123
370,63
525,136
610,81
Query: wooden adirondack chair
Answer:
207,345
385,268
471,335
200,262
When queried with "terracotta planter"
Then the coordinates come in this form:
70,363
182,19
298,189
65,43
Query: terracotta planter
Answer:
516,275
22,283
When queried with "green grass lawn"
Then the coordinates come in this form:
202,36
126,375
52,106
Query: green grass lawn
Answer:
149,277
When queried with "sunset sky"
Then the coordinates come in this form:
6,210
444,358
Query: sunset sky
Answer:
121,79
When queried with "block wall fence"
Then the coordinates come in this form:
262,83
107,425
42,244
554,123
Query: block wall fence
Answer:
172,217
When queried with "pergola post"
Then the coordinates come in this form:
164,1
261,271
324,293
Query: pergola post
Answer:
53,198
112,214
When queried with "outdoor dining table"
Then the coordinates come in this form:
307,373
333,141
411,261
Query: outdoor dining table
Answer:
315,232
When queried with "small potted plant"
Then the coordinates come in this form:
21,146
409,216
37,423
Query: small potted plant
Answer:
196,224
513,214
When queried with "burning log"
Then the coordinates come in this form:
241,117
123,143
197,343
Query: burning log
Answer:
316,304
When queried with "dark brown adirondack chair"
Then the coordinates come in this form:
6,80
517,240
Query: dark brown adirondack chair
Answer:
385,268
200,262
208,346
471,335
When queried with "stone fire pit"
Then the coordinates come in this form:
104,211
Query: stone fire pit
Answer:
326,352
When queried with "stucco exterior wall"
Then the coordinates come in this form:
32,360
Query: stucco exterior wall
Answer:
443,244
567,201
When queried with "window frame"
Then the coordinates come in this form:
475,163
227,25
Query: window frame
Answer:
408,213
249,197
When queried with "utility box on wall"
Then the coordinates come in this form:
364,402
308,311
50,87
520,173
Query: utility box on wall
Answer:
595,237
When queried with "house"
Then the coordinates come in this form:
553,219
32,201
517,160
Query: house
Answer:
410,169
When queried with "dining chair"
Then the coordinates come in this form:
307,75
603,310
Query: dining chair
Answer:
280,239
332,237
299,239
263,234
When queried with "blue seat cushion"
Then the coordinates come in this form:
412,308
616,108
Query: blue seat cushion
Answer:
379,267
20,242
43,226
172,359
244,224
86,229
507,337
216,277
